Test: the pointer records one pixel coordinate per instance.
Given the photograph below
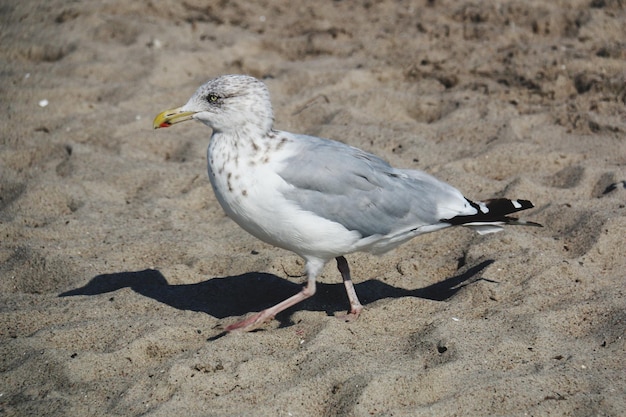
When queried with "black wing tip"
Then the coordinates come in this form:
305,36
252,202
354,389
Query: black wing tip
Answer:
495,211
504,204
526,204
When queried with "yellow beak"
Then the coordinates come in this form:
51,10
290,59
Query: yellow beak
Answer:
171,117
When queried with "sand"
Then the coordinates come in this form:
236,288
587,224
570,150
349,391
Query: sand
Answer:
119,269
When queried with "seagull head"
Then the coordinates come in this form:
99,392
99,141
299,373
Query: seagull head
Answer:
229,103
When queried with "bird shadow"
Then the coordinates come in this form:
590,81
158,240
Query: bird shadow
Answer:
238,295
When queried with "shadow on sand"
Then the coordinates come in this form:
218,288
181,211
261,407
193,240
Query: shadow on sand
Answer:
242,294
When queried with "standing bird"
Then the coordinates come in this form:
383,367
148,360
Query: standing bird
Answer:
318,198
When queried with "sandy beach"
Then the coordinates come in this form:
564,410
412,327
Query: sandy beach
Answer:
119,269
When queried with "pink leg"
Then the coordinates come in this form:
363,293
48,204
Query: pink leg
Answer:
355,304
314,267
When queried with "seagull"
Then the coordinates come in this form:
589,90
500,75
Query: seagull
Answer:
318,198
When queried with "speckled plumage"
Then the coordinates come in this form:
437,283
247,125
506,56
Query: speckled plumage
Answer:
316,197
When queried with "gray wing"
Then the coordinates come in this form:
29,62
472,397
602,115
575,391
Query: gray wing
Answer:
363,192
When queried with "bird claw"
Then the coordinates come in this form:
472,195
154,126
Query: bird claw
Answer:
248,324
350,316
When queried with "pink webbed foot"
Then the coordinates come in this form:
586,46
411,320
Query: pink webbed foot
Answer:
352,315
256,320
248,324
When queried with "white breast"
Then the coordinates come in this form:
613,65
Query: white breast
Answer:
250,191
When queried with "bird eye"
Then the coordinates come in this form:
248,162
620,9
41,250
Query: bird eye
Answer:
212,98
